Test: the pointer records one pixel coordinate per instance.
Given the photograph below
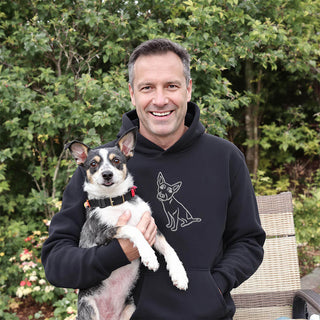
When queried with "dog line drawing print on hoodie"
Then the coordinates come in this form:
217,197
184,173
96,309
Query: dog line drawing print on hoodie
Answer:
177,214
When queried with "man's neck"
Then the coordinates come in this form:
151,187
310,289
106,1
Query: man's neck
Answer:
164,142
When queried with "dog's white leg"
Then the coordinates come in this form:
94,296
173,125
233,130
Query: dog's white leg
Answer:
174,265
147,254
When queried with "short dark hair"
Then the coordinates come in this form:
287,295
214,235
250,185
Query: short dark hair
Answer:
159,46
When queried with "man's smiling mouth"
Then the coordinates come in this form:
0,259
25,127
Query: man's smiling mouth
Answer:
161,114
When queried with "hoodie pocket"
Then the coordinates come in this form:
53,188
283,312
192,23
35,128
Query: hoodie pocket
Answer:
159,299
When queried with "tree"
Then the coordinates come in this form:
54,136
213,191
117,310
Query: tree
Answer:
283,38
54,90
63,76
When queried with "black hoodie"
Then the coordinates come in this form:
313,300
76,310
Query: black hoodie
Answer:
202,199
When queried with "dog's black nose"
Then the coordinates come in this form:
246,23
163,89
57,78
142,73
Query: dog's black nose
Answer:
107,175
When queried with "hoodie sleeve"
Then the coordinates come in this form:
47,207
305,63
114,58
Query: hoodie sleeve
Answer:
67,265
243,237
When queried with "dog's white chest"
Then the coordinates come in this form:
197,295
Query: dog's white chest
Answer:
110,215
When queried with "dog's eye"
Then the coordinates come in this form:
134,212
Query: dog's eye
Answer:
93,163
116,160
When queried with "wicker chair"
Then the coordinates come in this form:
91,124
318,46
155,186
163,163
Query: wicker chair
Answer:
274,290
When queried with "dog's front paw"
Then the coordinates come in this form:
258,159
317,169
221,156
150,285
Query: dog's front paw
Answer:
179,278
150,261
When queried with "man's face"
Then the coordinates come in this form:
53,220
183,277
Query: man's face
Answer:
160,95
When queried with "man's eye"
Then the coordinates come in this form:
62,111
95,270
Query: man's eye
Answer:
146,88
93,163
172,86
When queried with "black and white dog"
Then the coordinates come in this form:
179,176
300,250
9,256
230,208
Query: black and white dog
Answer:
111,191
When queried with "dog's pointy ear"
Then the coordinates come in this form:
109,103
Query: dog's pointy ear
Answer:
78,150
127,142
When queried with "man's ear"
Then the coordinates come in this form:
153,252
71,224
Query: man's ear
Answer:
79,151
127,142
189,90
133,100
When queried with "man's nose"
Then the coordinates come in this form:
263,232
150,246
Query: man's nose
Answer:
160,98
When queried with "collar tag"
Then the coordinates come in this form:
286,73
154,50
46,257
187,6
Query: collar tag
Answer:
87,204
133,191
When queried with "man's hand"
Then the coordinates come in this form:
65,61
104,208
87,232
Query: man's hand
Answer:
147,227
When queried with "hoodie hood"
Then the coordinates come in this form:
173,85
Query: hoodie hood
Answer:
195,130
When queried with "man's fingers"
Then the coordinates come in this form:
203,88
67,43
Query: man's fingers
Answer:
148,227
124,218
152,238
144,222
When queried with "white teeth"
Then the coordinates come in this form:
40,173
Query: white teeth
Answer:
161,114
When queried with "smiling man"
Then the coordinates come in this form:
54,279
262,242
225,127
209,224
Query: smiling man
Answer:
160,93
198,187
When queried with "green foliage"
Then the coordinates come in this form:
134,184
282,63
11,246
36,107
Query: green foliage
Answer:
66,308
290,137
307,224
20,246
307,218
267,185
53,91
5,313
12,235
22,272
63,76
308,259
4,185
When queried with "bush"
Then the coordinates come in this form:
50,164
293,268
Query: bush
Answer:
307,223
5,313
266,185
307,218
22,273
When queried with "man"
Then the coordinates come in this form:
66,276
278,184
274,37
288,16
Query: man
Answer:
199,190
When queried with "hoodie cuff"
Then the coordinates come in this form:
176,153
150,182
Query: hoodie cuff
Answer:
112,256
221,282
